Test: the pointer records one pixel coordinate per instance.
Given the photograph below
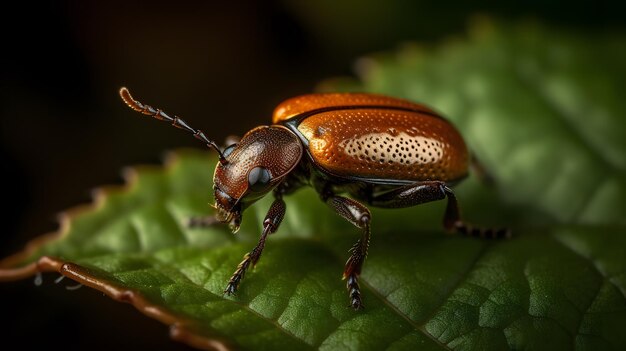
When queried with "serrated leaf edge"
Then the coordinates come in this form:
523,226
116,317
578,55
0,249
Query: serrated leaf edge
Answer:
12,268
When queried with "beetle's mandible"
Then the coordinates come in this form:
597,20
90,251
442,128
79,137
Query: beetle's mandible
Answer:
381,151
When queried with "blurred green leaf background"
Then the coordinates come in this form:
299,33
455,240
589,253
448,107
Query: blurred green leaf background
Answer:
221,66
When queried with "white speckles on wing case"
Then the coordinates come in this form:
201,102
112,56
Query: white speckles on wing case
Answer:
383,143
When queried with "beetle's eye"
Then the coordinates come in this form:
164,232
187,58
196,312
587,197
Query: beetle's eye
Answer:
229,149
258,178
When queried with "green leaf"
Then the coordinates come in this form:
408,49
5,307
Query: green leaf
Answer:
541,110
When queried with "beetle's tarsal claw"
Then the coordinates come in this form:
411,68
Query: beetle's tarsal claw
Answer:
230,290
477,232
233,227
354,292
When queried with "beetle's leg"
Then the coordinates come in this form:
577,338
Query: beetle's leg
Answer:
427,191
270,225
202,221
360,216
452,222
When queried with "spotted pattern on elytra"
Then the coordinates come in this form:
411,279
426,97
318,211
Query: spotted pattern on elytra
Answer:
384,143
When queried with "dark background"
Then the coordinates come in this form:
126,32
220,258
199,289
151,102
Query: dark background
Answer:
223,67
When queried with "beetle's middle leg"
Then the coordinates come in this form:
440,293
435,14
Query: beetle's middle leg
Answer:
270,225
427,191
360,216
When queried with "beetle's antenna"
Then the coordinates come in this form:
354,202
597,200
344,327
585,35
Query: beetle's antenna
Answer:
176,121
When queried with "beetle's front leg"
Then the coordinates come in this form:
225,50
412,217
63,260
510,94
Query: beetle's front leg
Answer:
427,191
360,216
202,221
270,225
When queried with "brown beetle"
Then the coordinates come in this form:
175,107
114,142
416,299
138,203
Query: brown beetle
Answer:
382,151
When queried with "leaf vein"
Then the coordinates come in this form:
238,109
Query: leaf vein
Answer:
593,262
577,134
419,328
462,277
136,230
181,230
174,220
599,272
271,321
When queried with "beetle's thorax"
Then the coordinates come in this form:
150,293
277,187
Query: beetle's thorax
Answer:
274,149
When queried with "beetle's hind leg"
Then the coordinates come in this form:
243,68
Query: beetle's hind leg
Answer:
360,216
452,221
427,191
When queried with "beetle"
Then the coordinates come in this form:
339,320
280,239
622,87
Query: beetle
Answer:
381,151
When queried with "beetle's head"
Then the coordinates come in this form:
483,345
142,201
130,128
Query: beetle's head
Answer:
252,168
